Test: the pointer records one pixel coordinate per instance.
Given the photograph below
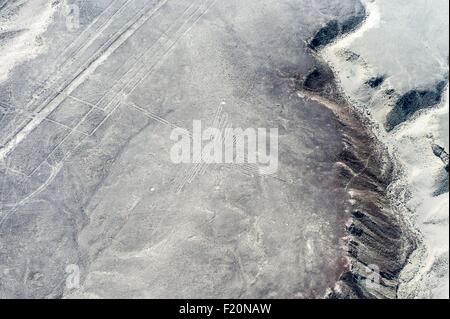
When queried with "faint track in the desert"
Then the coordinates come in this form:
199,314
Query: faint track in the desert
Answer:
146,62
69,55
52,102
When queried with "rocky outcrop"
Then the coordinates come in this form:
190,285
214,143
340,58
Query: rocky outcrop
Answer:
334,29
378,242
375,82
440,152
412,102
